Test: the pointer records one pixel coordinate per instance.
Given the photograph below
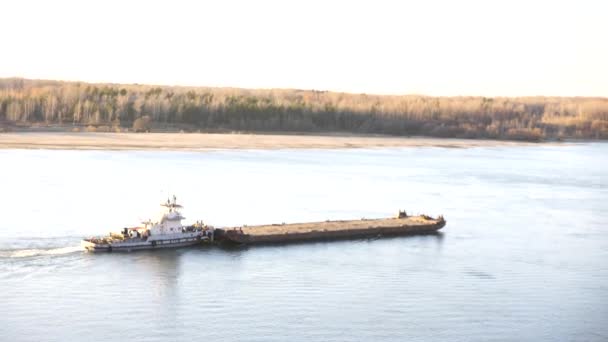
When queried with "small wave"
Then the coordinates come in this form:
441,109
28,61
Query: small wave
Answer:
26,253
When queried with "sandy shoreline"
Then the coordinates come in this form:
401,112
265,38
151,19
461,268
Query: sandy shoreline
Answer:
208,141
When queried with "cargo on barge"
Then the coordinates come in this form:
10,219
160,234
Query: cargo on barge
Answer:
332,230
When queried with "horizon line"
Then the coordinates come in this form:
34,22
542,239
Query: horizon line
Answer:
91,82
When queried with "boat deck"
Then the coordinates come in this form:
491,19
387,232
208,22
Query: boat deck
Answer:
332,229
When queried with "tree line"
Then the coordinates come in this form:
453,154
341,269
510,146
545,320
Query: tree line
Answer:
27,102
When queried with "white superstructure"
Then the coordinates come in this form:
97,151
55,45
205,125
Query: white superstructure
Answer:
168,231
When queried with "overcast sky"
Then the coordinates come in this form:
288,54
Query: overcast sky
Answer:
428,47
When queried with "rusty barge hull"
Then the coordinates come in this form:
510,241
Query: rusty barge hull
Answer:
331,230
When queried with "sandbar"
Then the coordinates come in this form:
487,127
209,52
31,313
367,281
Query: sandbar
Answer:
219,141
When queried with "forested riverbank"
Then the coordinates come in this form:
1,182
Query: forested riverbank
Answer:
121,107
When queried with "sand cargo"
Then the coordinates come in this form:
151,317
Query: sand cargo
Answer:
332,230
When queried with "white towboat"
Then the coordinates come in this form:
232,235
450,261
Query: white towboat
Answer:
167,232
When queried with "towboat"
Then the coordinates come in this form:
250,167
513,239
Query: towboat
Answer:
167,232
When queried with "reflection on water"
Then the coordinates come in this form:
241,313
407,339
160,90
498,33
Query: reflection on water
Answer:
164,267
523,256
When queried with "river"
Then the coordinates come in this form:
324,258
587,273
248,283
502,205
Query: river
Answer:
524,254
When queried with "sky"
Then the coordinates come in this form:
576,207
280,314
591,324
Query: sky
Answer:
431,47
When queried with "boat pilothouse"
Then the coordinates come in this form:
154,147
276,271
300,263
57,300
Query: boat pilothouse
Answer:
168,231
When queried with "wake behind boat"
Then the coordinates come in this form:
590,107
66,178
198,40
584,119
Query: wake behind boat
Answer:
167,232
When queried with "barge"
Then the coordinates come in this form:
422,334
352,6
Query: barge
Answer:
169,232
332,230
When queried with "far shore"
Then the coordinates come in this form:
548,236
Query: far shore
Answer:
219,141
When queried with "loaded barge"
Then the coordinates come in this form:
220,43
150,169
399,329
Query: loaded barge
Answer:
332,230
169,232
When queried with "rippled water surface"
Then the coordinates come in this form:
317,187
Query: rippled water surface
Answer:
524,255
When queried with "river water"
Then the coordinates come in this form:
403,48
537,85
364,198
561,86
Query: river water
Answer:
524,254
